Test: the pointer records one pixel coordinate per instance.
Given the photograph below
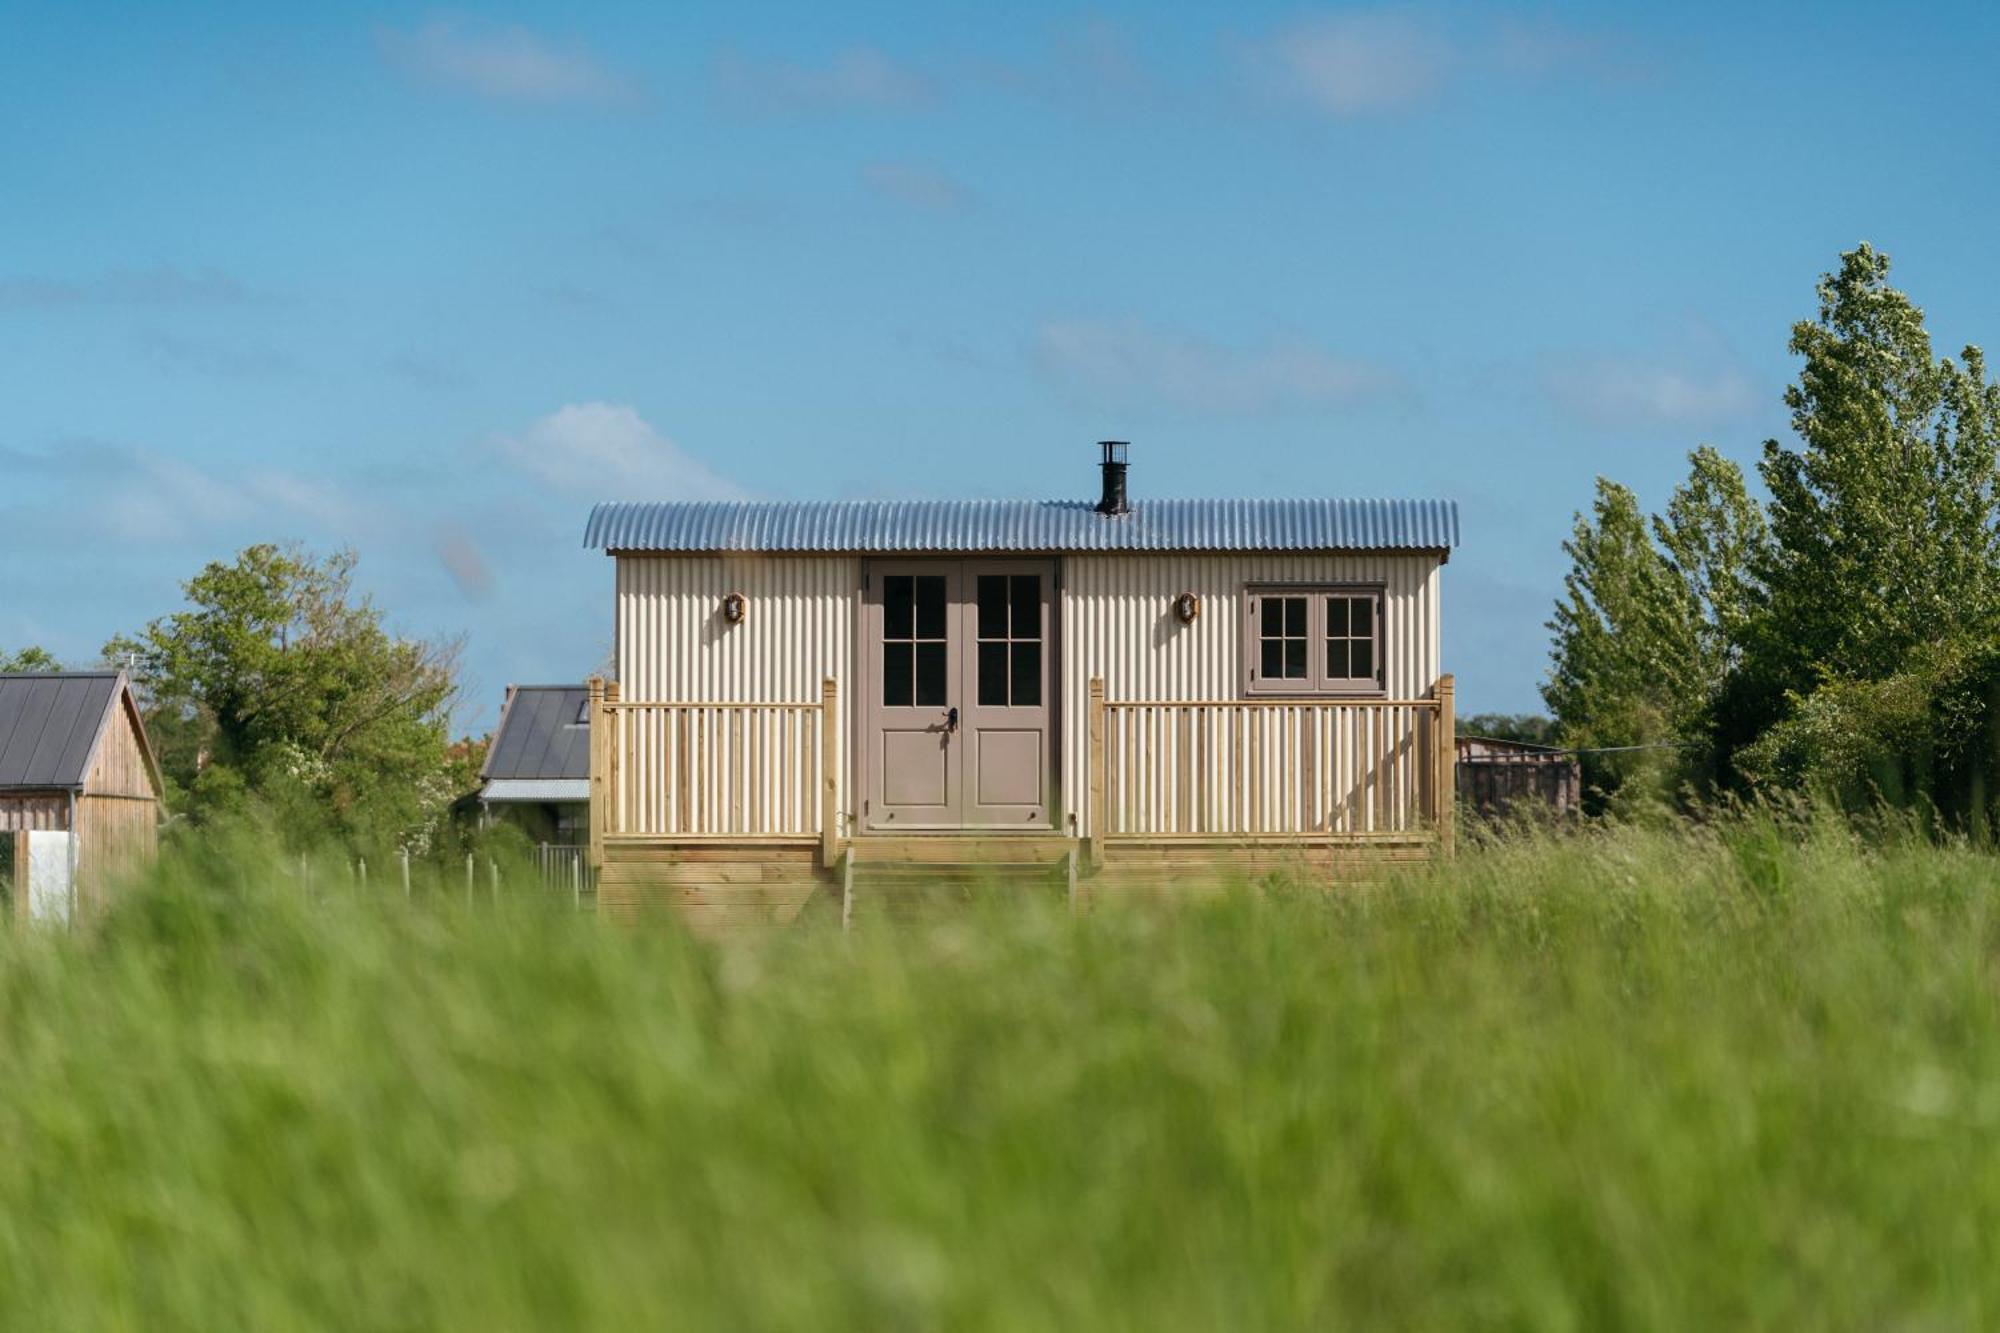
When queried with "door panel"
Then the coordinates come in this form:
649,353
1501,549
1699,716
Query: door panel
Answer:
912,777
970,638
1005,721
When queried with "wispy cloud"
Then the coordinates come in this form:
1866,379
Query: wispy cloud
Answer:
143,496
1374,62
505,64
1091,64
1606,392
1135,364
609,449
861,78
208,356
162,287
919,187
1355,63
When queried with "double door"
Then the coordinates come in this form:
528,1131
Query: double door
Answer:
956,705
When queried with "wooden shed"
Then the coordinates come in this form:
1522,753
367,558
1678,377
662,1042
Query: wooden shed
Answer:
1500,778
815,697
80,793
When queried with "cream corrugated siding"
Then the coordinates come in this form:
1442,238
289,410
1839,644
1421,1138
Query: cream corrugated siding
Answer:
1116,616
675,646
1118,623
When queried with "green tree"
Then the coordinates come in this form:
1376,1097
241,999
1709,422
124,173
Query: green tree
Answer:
30,658
1531,728
1871,661
280,685
1624,642
1651,621
1884,511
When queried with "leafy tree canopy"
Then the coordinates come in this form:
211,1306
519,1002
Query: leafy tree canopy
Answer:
1845,634
279,684
30,658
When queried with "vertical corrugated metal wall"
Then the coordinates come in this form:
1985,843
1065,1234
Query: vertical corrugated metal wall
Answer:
675,646
1118,622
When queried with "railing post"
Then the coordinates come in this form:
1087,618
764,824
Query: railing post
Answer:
1099,757
829,772
600,750
1447,763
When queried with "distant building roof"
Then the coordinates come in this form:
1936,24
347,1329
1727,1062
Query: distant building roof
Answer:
50,724
1024,525
543,736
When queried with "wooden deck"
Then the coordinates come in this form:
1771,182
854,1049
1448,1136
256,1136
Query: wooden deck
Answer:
719,887
728,816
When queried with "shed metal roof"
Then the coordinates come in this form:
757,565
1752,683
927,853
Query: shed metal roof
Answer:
541,735
1024,525
49,725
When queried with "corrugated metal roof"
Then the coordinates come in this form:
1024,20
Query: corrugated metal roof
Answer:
49,724
541,735
538,791
1024,525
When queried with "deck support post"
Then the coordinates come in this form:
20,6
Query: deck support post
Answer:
1100,759
829,772
1447,763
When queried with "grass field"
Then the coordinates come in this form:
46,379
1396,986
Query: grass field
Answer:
1745,1077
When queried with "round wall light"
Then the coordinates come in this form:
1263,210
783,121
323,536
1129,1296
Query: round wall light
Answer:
734,607
1187,606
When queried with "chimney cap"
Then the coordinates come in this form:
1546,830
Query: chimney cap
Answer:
1113,467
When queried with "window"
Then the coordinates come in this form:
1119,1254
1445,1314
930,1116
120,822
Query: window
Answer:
913,641
1314,640
1010,640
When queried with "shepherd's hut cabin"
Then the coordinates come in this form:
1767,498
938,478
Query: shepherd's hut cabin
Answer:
822,701
80,793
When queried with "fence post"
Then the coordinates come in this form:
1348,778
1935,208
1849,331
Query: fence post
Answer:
493,879
829,772
406,872
1447,763
468,879
1097,758
600,750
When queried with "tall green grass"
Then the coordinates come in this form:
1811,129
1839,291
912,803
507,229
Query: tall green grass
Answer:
1746,1075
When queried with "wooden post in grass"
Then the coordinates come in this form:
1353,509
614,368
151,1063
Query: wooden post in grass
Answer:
1447,764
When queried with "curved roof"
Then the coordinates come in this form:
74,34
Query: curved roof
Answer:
1023,525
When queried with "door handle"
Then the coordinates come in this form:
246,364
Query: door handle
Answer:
951,720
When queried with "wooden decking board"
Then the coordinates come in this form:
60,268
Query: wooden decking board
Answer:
719,888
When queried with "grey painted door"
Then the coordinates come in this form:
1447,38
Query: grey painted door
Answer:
1004,752
956,706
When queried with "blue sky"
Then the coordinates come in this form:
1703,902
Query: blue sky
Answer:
430,281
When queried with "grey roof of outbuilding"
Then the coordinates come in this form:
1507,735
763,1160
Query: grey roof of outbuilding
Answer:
1024,525
540,736
49,725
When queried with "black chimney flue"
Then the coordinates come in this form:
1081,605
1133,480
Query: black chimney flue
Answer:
1114,501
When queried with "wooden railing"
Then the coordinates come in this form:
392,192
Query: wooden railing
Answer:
712,770
563,868
1271,768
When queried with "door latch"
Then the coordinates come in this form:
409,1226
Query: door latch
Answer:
951,720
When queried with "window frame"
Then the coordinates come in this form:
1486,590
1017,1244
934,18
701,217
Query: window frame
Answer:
1315,684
